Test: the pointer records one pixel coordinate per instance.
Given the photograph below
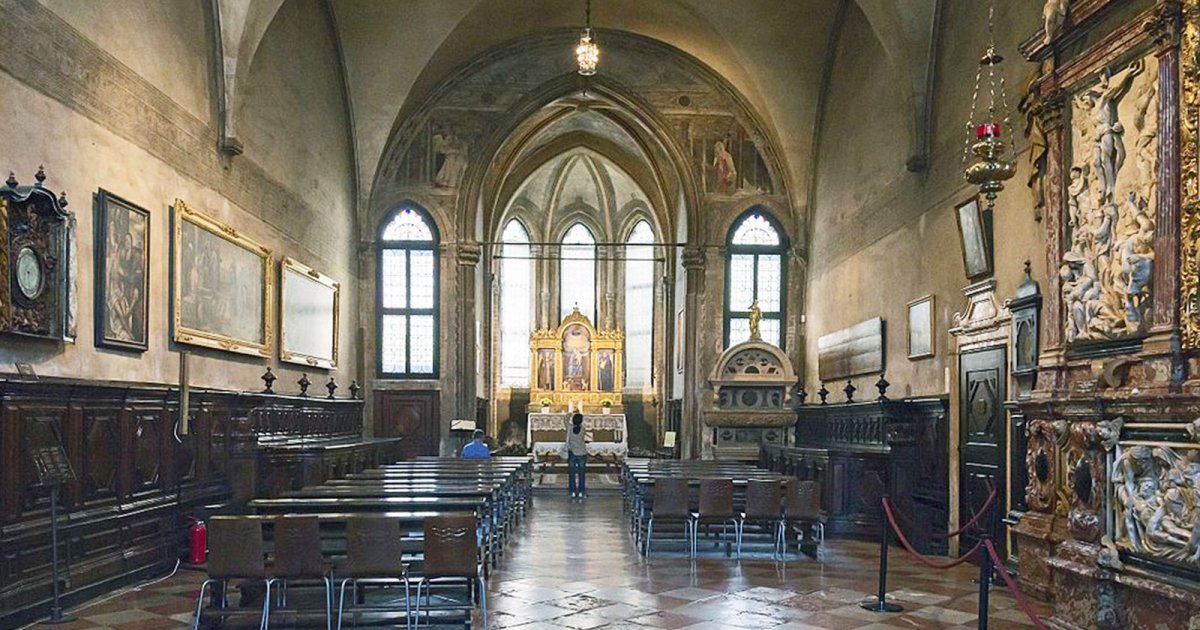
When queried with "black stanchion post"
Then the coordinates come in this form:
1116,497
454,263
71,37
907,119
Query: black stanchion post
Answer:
985,582
880,603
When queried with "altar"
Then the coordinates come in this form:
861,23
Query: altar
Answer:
546,433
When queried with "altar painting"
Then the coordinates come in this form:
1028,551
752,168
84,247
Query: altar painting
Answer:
577,344
577,367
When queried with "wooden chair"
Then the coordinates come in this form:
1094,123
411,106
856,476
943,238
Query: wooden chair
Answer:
764,504
669,503
373,556
298,557
802,506
716,506
235,553
452,553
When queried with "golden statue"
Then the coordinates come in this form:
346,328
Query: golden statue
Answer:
755,319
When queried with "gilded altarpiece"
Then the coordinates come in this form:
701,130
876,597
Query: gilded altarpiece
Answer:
1112,531
576,367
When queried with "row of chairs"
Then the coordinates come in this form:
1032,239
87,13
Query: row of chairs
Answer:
373,557
767,504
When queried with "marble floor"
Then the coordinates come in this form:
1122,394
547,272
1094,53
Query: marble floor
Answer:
573,565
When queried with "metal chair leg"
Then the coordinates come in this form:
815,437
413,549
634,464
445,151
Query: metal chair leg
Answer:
649,534
483,601
342,602
266,613
200,603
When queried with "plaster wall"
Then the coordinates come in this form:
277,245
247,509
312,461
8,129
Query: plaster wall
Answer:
883,236
165,41
88,138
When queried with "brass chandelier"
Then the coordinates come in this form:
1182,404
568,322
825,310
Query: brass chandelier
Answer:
587,53
990,169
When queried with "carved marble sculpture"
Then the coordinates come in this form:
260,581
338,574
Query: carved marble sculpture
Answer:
1054,14
1107,268
1158,492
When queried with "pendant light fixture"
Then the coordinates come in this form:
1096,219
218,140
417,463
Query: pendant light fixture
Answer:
990,169
587,53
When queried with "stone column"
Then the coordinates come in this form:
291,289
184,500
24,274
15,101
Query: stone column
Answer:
690,431
465,315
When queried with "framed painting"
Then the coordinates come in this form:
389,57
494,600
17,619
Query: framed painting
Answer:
222,286
309,315
122,267
975,235
922,325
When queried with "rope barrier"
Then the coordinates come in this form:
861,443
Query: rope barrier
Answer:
908,520
887,509
1022,602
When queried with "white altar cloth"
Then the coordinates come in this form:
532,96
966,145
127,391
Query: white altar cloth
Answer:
558,422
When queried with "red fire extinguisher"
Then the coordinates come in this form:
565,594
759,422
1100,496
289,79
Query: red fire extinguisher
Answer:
197,541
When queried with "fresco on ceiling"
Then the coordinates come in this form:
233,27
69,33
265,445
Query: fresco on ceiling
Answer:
438,148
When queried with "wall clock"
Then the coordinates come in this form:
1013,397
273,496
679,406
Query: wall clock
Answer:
33,260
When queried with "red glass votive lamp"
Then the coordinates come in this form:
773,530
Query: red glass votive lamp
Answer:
987,130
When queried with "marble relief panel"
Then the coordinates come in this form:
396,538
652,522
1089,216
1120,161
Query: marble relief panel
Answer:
1109,224
1156,489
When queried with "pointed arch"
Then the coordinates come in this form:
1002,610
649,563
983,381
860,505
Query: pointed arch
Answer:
577,271
639,300
516,302
755,273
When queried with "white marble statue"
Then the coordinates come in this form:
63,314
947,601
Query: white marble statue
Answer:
1054,14
1107,269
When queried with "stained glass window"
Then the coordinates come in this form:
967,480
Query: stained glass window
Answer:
577,275
515,305
755,271
408,295
639,305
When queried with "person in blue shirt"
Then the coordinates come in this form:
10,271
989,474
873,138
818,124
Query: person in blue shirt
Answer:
476,449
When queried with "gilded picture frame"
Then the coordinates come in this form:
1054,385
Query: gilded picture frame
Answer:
922,328
309,315
222,285
122,268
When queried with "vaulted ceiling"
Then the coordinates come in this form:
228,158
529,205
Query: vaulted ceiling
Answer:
394,54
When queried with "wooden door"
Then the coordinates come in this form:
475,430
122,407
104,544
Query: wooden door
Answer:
412,415
981,447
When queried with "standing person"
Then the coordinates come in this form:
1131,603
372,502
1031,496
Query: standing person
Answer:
576,457
476,449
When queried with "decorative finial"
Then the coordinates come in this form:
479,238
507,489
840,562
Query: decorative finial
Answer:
755,320
354,390
823,393
882,384
332,387
11,182
849,389
62,199
268,378
304,383
40,176
801,395
1028,269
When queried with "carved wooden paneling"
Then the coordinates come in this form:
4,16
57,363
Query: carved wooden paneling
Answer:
120,440
412,415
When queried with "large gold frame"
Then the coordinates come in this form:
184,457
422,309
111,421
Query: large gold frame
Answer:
208,339
592,399
292,265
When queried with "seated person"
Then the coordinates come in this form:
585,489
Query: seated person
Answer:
476,449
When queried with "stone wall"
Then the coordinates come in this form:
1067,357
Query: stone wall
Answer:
883,236
116,96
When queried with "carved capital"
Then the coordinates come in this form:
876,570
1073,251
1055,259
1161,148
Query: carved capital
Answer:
468,253
1164,25
693,258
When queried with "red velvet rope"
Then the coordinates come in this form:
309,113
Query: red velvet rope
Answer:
887,509
908,520
1022,602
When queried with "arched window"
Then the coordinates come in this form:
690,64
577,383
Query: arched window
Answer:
515,277
754,271
408,295
577,273
639,305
